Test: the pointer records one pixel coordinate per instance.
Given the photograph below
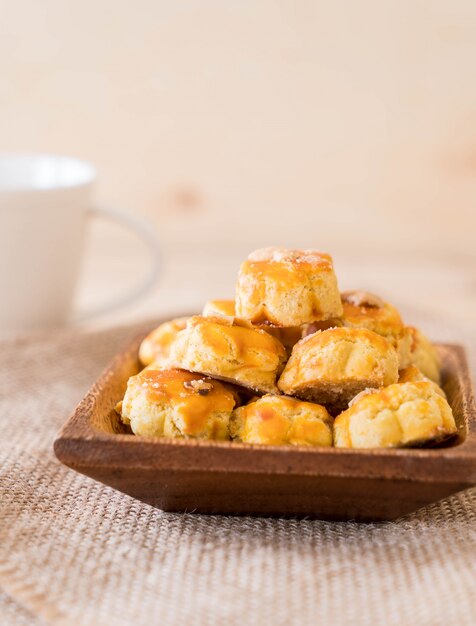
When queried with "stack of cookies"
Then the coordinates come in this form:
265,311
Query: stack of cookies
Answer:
290,361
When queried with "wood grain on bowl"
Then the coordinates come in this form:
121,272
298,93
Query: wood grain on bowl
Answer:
234,478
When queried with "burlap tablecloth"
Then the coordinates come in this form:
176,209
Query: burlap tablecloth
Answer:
76,552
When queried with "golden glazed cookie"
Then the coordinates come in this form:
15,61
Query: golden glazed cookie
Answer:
287,336
174,403
219,307
332,366
287,287
415,349
412,374
277,420
230,349
156,346
365,310
406,414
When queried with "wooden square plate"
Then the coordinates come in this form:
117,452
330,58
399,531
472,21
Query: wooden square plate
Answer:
235,478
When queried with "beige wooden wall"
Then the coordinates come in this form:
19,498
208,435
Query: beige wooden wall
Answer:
309,122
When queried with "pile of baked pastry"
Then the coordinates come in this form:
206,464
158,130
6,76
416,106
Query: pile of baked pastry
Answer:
290,361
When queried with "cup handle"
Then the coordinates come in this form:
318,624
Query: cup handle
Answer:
143,230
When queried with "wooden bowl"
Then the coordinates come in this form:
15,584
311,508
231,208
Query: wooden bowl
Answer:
244,479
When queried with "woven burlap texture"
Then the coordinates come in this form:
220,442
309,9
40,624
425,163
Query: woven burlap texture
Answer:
75,552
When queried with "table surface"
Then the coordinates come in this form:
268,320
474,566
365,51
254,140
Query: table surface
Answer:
74,552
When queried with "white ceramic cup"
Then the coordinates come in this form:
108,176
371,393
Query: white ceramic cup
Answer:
45,203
